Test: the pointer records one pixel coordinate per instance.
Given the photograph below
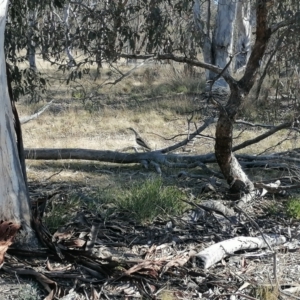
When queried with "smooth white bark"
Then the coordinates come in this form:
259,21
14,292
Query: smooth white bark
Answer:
242,35
224,34
232,35
14,202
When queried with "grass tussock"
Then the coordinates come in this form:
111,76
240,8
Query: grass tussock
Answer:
293,208
142,201
151,199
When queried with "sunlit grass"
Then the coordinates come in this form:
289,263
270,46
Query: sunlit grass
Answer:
140,200
150,199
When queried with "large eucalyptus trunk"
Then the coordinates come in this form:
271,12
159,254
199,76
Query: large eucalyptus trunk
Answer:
14,201
242,35
231,36
223,37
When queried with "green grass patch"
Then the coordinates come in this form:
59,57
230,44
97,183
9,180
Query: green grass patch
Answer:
150,199
293,208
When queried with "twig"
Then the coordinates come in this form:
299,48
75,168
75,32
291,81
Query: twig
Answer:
262,136
48,178
129,72
207,122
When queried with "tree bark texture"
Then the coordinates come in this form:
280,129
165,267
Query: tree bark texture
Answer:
230,167
14,201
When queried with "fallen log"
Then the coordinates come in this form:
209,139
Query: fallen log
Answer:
171,160
218,251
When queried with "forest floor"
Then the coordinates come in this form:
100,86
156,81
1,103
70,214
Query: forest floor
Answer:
144,250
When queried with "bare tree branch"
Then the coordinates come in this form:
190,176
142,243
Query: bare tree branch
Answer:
288,22
183,59
242,122
129,72
26,119
207,122
262,136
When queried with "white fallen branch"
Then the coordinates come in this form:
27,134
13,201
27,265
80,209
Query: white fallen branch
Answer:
26,119
270,187
292,290
218,251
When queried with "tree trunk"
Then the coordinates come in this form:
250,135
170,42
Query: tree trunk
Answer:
68,42
232,35
32,16
14,201
231,169
242,35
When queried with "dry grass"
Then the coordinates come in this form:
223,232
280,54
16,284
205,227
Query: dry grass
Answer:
152,107
156,100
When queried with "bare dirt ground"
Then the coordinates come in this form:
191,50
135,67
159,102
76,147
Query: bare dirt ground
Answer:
101,252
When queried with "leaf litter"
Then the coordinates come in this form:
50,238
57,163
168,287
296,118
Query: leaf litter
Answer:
96,257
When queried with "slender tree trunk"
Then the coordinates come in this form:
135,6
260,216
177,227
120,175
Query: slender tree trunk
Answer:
68,42
32,15
14,201
229,165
